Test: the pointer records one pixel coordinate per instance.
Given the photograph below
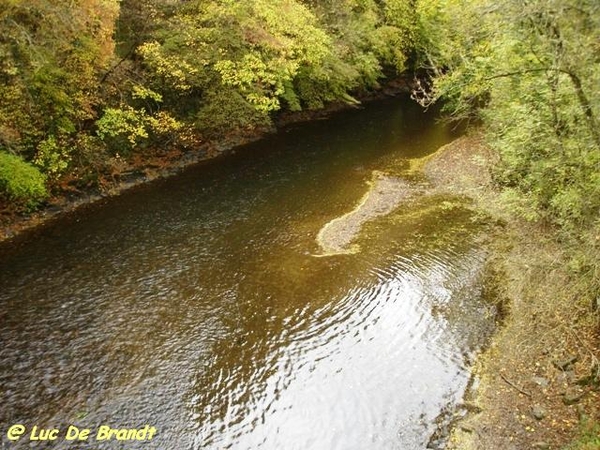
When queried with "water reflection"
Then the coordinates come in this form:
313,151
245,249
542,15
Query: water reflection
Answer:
195,305
371,369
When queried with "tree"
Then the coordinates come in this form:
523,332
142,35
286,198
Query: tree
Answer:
533,66
51,56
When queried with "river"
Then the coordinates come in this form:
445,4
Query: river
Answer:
202,304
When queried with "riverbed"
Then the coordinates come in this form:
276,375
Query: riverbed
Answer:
206,306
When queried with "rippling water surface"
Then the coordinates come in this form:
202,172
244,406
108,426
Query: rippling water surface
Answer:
195,304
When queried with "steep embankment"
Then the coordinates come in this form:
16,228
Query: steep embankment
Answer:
538,381
138,169
107,93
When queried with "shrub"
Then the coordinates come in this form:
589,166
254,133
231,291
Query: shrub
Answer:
20,181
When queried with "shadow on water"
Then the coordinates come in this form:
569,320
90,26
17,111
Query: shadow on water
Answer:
196,305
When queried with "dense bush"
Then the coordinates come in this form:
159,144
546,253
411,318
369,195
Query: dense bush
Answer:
230,65
530,71
81,82
20,181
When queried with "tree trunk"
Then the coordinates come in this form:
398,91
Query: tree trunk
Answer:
584,102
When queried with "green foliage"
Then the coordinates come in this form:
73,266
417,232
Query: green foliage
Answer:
530,71
125,127
51,157
20,181
271,55
125,123
82,81
52,56
248,48
226,110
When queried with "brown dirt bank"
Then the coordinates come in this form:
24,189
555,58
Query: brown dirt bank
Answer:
538,379
145,167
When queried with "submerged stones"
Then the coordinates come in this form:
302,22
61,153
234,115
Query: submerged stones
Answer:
402,181
385,194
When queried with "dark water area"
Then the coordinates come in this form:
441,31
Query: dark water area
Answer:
196,304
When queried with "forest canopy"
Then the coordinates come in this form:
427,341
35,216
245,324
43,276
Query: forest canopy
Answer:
84,83
530,70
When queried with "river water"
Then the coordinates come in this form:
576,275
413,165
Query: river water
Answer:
197,304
